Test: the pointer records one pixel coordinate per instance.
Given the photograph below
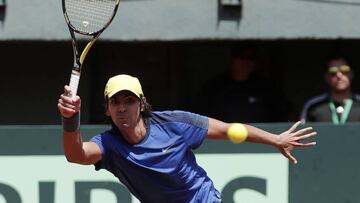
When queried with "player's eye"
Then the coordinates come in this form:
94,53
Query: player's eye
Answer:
114,101
129,100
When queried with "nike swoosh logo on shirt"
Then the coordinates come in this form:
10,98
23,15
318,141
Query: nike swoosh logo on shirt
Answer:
167,148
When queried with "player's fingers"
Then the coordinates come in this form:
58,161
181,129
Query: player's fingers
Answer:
70,105
67,90
77,100
310,144
307,136
60,107
293,128
291,158
65,111
66,98
303,131
65,106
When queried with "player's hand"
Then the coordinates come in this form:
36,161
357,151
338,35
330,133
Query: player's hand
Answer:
291,139
67,105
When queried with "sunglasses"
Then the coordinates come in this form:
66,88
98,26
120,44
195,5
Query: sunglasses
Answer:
343,69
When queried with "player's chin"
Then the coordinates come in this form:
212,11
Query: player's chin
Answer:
123,123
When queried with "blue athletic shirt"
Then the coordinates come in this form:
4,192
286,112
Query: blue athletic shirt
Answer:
161,168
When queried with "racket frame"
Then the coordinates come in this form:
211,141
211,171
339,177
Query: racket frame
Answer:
79,60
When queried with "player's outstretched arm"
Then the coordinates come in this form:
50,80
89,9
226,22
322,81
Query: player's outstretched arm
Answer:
286,142
75,149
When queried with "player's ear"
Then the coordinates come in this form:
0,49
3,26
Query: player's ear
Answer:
142,103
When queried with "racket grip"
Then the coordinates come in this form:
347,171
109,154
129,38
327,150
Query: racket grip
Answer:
74,83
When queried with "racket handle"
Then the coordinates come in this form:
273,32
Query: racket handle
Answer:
74,82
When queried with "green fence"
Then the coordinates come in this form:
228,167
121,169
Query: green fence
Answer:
34,169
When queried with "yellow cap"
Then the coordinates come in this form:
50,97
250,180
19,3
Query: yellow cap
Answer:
123,82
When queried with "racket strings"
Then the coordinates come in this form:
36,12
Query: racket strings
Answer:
89,16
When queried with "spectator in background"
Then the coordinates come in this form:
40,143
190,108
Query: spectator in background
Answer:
240,94
339,104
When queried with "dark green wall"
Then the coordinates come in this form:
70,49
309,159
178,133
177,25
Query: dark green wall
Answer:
326,173
330,171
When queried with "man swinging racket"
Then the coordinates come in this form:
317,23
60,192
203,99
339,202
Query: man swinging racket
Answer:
151,153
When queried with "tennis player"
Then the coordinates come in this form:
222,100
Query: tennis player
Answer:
151,153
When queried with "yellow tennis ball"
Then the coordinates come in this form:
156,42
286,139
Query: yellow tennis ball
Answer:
237,133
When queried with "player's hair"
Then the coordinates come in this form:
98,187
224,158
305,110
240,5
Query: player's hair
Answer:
147,107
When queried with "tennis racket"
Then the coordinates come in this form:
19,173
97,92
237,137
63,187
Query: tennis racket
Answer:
90,18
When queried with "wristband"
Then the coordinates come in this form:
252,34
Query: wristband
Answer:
71,124
237,133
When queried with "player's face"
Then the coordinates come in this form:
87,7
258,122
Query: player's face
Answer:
338,76
124,109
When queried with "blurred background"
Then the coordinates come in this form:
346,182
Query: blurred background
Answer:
174,47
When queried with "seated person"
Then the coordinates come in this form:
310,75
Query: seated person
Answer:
339,104
241,93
